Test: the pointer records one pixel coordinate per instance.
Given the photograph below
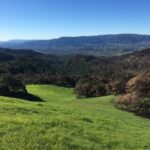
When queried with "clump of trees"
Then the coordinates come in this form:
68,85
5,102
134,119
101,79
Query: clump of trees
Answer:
90,87
137,97
96,86
140,85
60,80
11,86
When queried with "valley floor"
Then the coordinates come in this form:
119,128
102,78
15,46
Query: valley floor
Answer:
63,122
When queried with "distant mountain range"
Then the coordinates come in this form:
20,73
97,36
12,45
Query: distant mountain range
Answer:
101,45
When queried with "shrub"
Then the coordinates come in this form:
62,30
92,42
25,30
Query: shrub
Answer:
126,102
142,107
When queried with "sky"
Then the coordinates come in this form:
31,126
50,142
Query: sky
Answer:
47,19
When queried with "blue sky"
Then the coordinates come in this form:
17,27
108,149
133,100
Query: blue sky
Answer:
46,19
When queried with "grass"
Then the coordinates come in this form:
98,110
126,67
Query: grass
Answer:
63,122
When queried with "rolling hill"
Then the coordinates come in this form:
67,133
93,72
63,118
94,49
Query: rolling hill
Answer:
101,45
64,122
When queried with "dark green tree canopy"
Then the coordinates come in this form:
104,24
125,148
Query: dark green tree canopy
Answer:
10,85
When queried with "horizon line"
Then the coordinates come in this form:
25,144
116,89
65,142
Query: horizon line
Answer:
71,36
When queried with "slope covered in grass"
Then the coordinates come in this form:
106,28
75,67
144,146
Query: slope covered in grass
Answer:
63,122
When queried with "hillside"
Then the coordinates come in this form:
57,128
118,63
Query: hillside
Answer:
33,67
101,45
64,122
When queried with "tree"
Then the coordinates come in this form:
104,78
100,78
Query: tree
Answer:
10,85
90,87
137,98
140,85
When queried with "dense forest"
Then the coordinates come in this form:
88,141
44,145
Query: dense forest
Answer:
34,67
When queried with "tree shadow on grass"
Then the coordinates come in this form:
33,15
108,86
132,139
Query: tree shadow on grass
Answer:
25,96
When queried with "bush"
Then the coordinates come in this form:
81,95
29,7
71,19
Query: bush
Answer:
126,102
142,107
138,106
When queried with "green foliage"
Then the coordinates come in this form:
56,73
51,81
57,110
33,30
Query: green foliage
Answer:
65,122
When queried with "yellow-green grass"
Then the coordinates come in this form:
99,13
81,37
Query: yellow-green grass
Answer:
63,122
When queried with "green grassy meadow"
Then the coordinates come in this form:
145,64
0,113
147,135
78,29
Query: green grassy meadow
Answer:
63,122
